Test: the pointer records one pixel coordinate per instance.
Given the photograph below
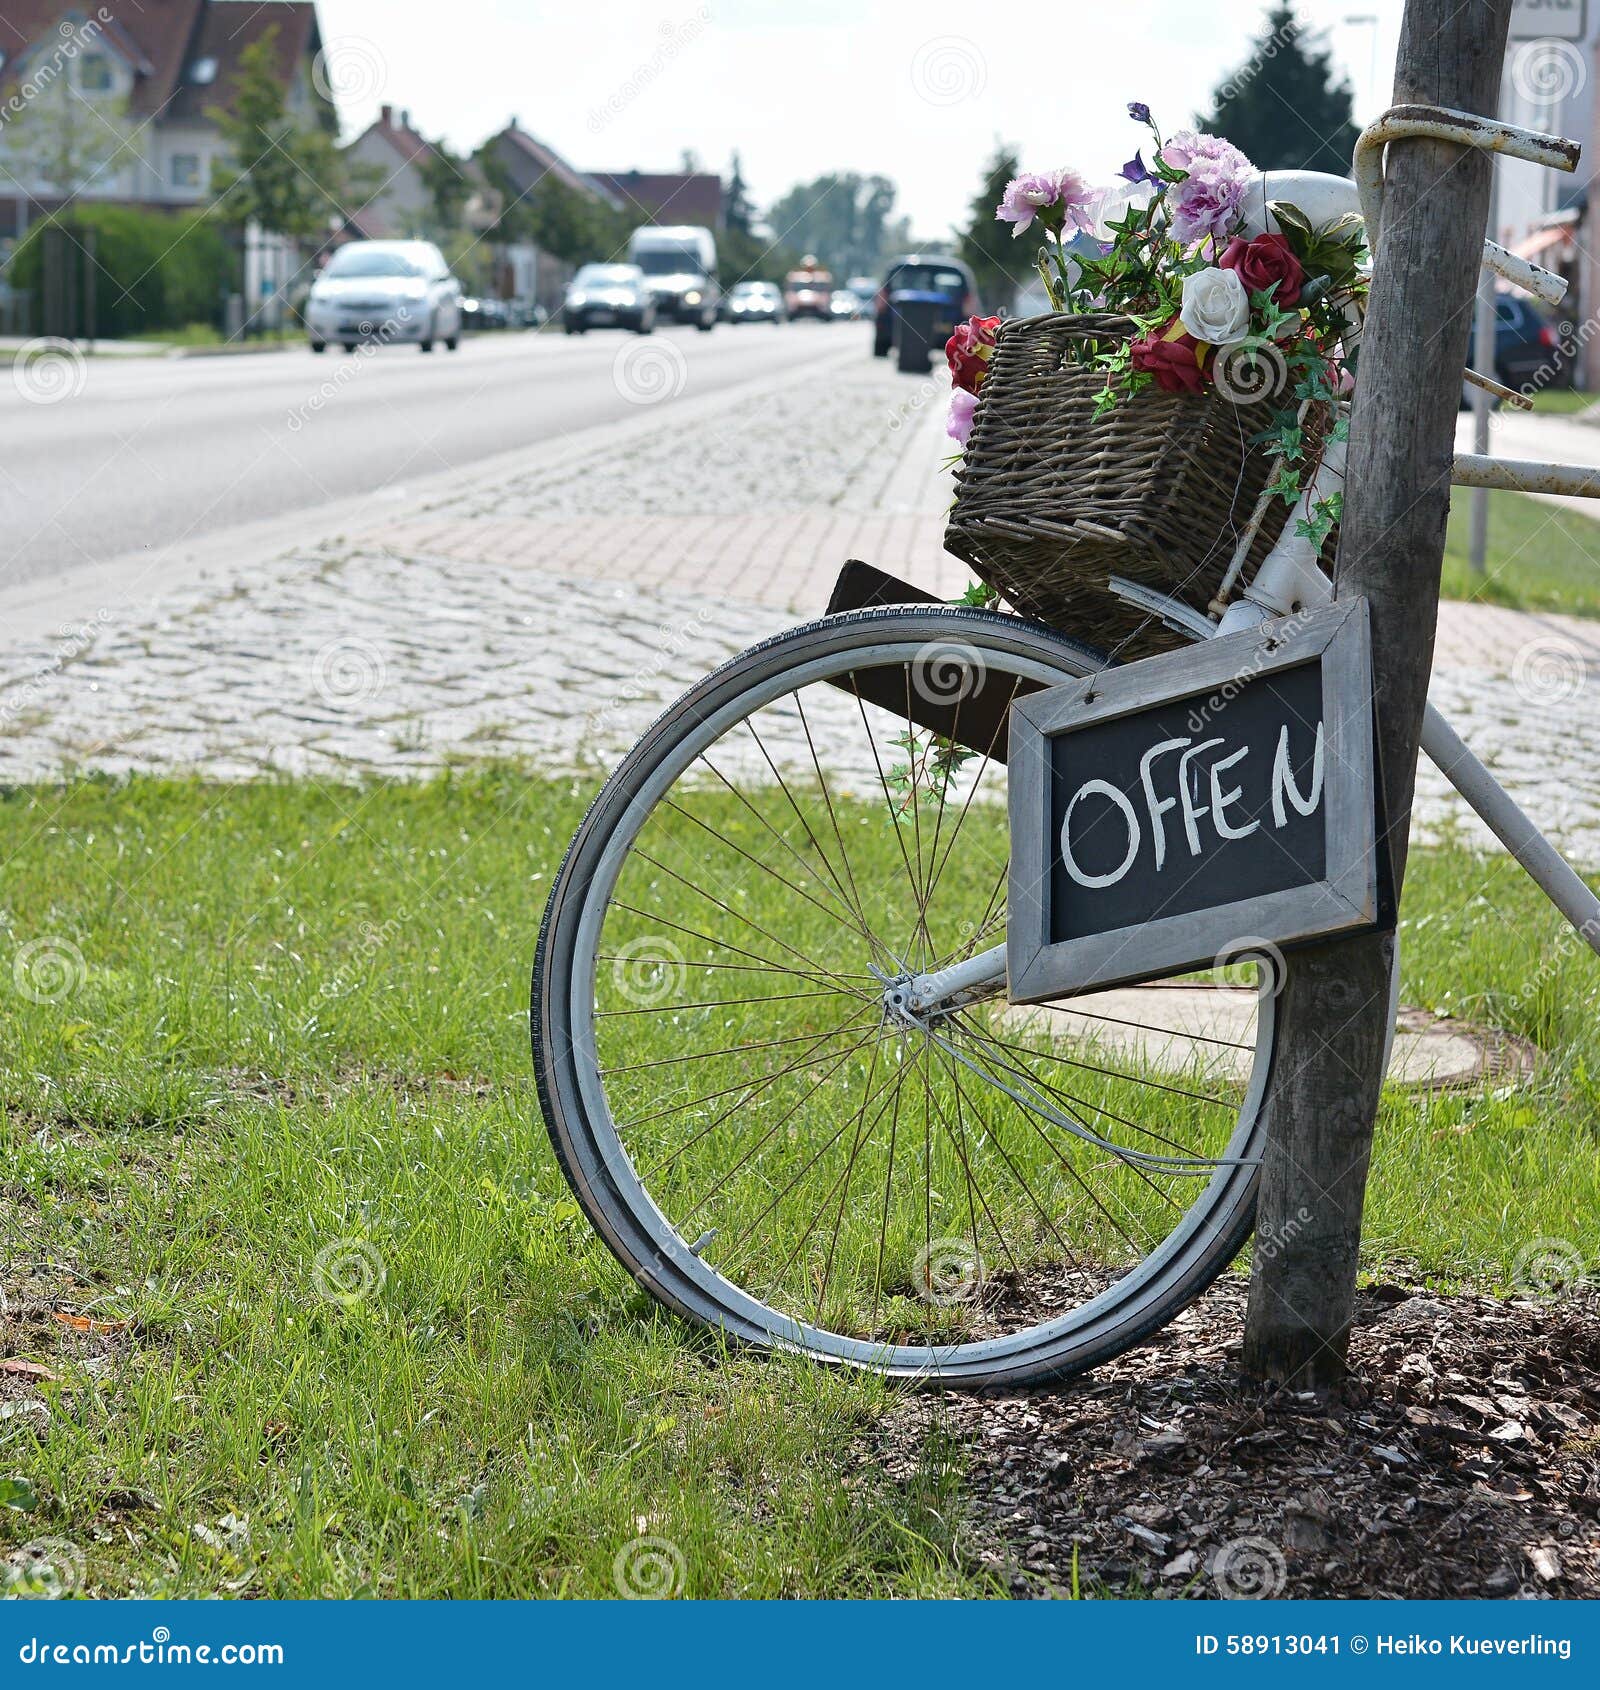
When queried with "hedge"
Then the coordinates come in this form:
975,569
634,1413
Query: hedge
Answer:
154,270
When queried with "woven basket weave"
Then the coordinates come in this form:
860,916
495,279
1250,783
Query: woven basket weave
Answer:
1051,500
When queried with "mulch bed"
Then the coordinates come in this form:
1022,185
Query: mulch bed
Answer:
1460,1459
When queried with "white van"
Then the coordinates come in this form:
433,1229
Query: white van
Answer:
680,265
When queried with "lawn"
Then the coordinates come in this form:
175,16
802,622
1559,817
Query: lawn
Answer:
315,1309
1540,556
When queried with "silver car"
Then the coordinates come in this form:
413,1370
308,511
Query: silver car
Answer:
385,292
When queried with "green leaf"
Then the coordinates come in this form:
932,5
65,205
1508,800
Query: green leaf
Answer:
18,1494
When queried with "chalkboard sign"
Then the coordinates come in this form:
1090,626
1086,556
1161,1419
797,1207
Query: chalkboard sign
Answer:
1165,811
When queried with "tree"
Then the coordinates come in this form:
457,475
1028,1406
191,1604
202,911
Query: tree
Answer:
843,219
62,144
737,212
449,188
1287,107
999,263
561,221
287,177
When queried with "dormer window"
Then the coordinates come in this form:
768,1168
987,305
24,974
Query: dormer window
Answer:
203,72
94,73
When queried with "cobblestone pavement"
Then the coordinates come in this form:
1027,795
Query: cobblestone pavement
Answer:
552,610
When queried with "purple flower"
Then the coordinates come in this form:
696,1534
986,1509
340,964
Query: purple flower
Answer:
1038,195
962,406
1187,146
1135,170
1139,111
1206,203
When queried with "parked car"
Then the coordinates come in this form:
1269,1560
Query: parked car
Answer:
385,291
865,288
808,291
1527,346
947,278
753,302
843,305
479,315
604,296
680,263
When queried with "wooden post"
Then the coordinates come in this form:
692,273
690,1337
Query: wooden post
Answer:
1323,1095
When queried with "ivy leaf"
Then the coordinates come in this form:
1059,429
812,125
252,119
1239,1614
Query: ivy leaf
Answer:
18,1494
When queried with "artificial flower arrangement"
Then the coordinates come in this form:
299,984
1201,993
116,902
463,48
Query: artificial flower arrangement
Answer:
1257,319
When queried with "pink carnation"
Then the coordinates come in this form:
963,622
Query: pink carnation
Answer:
962,407
1208,202
1037,194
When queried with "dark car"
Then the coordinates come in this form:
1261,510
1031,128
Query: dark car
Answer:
1527,347
947,280
605,296
479,315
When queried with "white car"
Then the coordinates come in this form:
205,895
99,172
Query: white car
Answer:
385,292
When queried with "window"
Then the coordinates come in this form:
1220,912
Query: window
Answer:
94,74
186,170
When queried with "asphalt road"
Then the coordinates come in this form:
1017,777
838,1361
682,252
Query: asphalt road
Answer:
142,454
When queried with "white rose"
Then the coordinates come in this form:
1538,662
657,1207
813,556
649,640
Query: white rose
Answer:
1215,307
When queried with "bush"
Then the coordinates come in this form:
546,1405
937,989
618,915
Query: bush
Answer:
154,270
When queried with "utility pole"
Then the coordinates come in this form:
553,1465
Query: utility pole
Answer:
1322,1098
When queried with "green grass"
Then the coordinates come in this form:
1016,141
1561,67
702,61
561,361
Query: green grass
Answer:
190,334
1540,556
1562,401
298,1035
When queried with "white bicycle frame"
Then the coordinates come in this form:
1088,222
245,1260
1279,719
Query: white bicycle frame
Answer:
1291,578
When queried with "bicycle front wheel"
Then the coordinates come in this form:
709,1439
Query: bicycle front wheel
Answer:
982,1196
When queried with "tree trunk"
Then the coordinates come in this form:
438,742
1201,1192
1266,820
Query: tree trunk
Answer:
1323,1095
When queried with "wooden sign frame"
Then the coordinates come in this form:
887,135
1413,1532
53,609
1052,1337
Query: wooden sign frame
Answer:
1347,897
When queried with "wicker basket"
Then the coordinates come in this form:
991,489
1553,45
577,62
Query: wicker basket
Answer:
1052,500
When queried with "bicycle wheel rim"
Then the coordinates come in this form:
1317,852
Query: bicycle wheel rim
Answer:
597,1160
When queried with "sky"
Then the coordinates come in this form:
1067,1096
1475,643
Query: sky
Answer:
916,90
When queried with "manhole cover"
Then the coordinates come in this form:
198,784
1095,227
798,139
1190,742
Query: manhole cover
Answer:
1184,1026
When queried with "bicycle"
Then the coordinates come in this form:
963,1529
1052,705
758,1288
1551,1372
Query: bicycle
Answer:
770,1023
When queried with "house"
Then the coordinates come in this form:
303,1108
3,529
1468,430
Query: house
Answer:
670,197
397,158
110,100
525,162
1543,214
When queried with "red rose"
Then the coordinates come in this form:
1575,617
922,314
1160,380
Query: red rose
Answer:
1266,260
969,350
1174,357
